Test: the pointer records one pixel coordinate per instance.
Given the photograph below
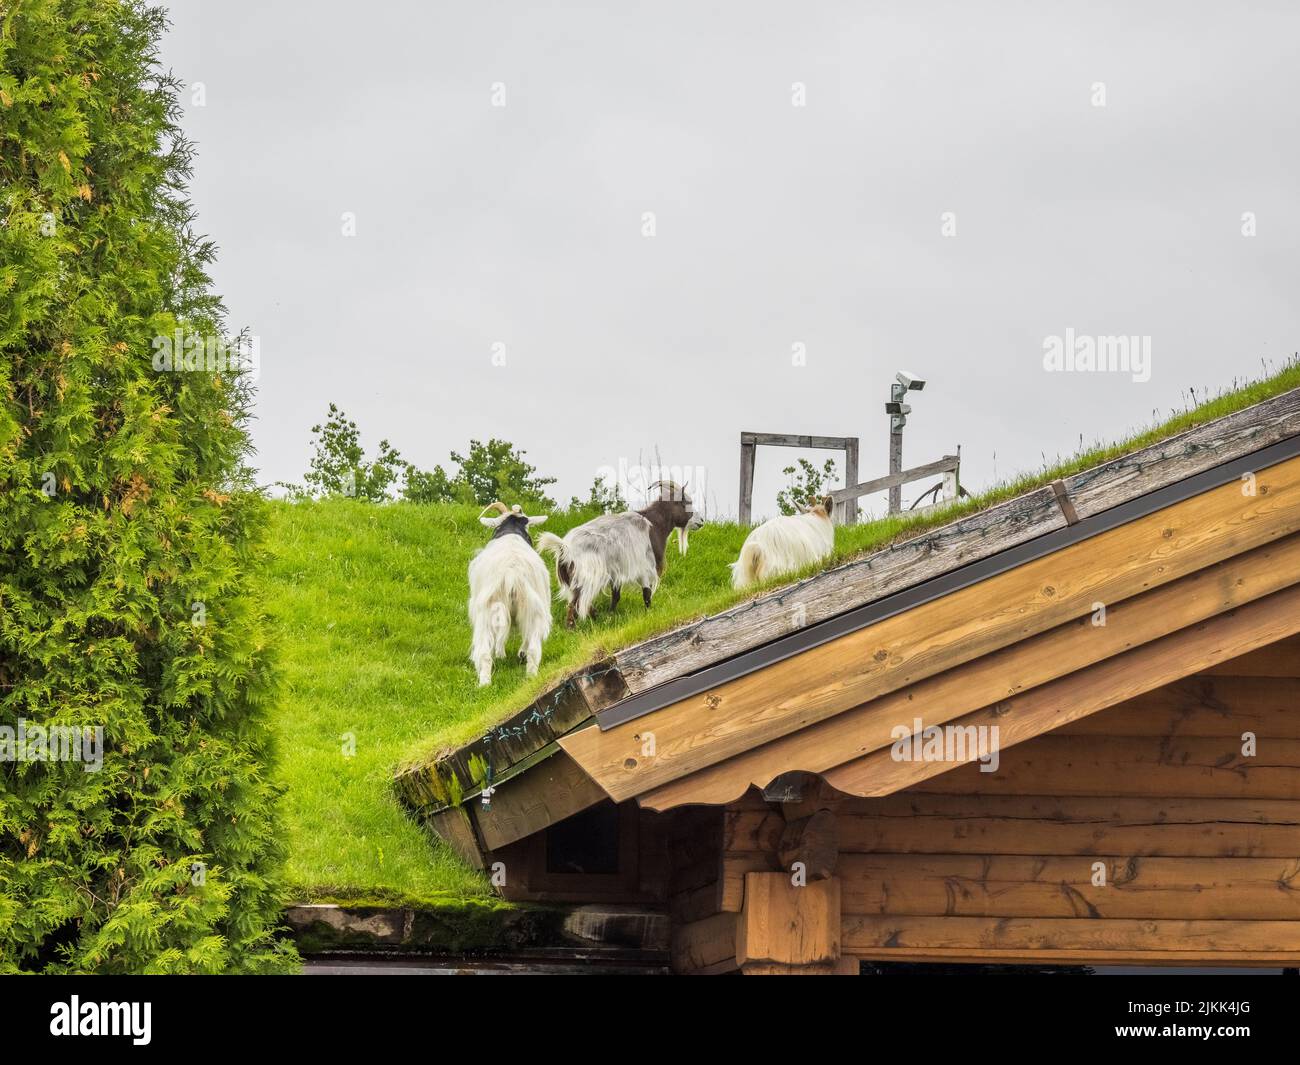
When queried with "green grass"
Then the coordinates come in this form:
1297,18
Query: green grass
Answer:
369,603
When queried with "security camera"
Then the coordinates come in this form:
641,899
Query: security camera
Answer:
893,407
908,380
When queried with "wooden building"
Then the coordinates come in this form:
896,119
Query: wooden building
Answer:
1062,730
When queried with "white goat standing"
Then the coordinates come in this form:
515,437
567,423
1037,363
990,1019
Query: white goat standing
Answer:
785,544
508,582
619,549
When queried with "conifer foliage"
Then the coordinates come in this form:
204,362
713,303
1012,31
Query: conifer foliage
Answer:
130,536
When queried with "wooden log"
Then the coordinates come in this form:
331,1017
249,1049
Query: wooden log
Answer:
814,443
1047,886
753,830
1110,939
920,823
746,512
1095,688
705,947
735,866
1037,956
695,848
855,490
1012,671
788,925
813,842
844,966
848,512
1135,766
698,903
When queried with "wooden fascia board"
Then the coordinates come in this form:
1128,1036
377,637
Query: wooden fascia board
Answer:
549,791
901,650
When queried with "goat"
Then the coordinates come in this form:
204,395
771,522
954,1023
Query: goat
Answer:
619,549
784,544
508,582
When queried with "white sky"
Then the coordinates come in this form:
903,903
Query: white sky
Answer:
776,225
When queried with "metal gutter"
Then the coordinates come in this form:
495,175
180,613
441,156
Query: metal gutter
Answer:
815,635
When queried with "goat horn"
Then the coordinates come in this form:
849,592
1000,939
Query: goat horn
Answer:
669,489
496,505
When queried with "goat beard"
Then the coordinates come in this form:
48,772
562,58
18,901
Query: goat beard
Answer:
681,539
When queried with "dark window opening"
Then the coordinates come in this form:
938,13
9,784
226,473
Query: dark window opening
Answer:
586,842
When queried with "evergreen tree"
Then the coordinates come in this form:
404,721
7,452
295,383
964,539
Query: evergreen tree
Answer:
130,536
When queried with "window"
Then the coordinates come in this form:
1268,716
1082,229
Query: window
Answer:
585,843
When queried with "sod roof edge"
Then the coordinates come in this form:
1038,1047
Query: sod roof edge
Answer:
529,735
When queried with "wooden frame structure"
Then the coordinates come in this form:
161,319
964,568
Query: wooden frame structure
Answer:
1140,799
749,443
846,511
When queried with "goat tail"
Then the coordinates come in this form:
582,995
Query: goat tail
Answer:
548,541
746,569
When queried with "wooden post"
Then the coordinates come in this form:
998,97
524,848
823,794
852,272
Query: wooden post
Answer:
895,466
781,924
747,448
846,514
849,510
950,486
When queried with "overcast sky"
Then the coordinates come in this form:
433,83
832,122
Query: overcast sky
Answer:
801,163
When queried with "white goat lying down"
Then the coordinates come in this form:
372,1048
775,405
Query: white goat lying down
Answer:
508,583
784,544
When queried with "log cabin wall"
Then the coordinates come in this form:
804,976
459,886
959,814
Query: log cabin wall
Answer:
1140,835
